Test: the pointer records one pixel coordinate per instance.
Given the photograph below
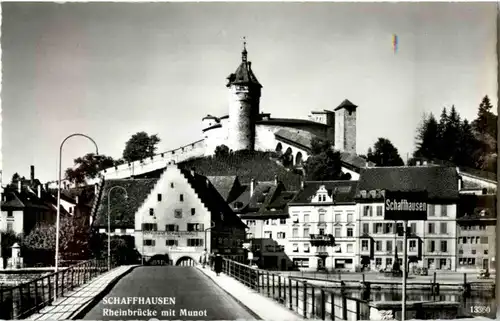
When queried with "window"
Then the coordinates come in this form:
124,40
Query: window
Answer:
413,246
431,246
364,245
181,197
485,252
295,219
388,228
444,210
171,242
149,227
159,197
171,185
281,235
9,214
306,218
149,242
388,261
367,210
172,228
432,210
321,231
413,228
195,227
349,218
464,240
337,218
388,246
378,261
379,210
282,221
350,232
378,246
268,234
306,232
366,228
321,218
349,248
295,247
178,213
430,229
306,248
194,242
151,211
193,211
473,251
266,222
378,228
9,227
295,232
70,210
484,239
444,228
337,231
400,246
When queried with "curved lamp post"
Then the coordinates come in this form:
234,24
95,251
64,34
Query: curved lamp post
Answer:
109,222
59,198
206,230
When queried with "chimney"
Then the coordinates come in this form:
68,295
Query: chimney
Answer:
275,179
19,186
252,187
192,171
39,191
32,174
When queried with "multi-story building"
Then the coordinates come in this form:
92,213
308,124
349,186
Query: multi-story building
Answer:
179,216
431,243
476,232
322,226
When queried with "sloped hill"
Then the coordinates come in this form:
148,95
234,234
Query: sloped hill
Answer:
262,166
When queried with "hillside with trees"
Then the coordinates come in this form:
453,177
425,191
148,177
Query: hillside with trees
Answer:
452,139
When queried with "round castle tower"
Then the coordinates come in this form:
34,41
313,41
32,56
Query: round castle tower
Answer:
244,99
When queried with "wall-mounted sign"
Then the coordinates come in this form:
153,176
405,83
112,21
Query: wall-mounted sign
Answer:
405,206
174,233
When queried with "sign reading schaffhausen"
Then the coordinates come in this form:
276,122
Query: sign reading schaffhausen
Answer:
405,206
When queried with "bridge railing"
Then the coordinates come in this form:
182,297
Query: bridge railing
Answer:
23,300
309,301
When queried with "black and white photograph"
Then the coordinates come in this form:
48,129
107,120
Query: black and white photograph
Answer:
249,161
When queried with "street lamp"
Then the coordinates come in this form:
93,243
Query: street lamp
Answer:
206,230
109,222
59,199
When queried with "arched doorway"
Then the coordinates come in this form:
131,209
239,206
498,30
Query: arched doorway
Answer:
279,148
185,261
159,259
298,159
287,158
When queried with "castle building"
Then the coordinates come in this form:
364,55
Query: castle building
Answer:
246,128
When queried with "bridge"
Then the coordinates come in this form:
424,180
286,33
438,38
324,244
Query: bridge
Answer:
90,291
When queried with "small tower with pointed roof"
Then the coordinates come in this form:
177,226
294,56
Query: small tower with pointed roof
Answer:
244,101
345,127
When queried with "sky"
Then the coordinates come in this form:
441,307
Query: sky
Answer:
109,70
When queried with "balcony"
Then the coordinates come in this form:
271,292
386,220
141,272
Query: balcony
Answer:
320,239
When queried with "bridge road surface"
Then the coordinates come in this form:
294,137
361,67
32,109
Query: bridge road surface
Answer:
191,289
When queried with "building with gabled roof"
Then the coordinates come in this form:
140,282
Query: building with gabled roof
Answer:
323,226
175,217
432,243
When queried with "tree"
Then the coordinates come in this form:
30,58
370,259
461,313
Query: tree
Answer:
140,146
385,154
88,167
485,123
324,163
73,237
427,138
15,178
221,151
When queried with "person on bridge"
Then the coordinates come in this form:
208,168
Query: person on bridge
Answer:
218,264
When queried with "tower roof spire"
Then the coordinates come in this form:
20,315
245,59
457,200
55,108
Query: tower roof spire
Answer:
244,53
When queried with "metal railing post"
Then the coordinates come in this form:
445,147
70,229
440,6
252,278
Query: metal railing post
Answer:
268,285
323,305
332,312
304,312
290,293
